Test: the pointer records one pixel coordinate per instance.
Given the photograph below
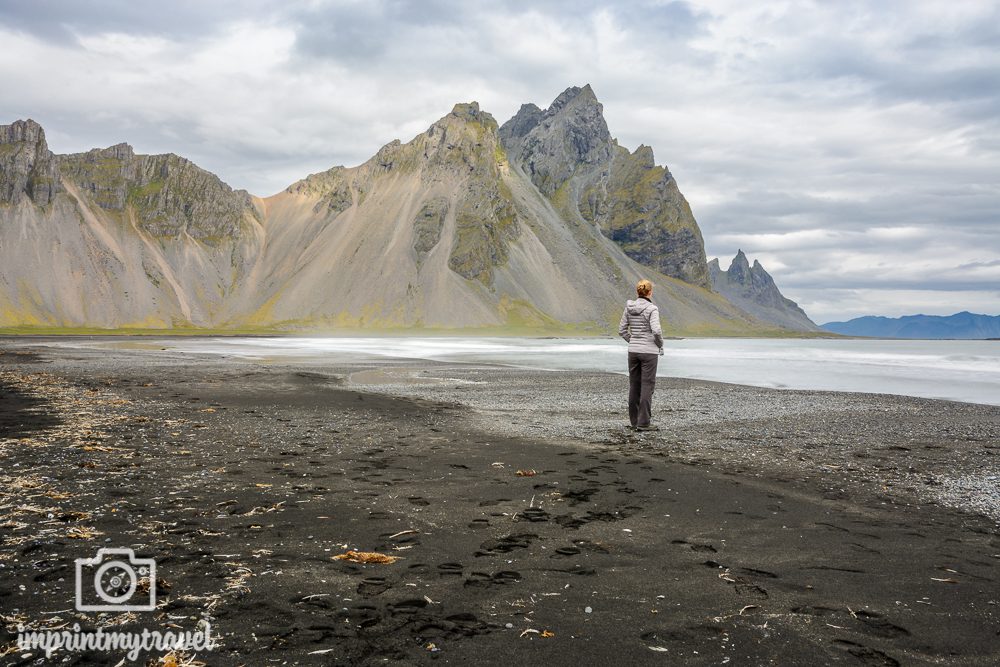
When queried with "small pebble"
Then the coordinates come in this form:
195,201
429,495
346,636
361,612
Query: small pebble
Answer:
588,610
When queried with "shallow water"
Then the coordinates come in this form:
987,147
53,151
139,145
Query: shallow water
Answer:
956,370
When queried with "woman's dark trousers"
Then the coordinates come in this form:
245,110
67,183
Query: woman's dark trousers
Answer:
641,380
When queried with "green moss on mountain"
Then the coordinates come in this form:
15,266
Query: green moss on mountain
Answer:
427,226
168,195
485,225
639,207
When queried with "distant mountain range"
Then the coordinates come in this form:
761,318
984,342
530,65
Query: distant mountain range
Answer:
545,222
964,325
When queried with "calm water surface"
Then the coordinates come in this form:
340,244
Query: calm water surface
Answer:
957,370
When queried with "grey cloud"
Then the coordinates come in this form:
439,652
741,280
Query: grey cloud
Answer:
673,21
358,34
978,265
60,22
771,211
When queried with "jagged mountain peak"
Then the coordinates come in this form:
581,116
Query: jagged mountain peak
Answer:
643,156
120,151
583,114
463,140
569,154
575,95
552,144
753,289
26,130
27,168
452,173
575,111
525,120
470,112
466,122
742,272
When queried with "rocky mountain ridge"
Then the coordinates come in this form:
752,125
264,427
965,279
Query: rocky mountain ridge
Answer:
569,154
27,167
752,289
468,225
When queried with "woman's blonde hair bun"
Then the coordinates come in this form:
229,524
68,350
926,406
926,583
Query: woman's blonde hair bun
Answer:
644,287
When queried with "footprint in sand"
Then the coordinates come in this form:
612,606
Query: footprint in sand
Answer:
756,573
485,579
398,538
577,496
450,569
506,544
748,590
703,548
533,514
877,625
871,622
573,522
451,627
410,606
362,616
811,610
588,545
372,586
566,552
866,654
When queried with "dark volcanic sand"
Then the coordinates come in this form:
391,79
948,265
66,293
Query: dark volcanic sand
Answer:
243,478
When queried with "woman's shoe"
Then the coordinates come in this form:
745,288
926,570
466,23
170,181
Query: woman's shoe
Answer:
650,427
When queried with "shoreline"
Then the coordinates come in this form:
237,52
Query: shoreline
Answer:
478,332
751,530
847,376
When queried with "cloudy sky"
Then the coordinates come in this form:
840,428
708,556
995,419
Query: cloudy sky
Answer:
852,147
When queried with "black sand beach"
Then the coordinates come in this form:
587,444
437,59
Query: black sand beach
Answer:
758,527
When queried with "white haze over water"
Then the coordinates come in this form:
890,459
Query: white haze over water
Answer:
956,370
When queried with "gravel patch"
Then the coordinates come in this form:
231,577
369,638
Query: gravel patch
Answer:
899,449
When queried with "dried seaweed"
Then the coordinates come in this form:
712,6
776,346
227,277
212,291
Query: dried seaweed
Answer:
367,557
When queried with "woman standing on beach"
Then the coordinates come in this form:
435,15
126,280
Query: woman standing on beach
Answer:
640,326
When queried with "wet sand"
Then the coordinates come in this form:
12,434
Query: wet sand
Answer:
759,527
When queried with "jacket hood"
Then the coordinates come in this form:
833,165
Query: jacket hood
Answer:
638,306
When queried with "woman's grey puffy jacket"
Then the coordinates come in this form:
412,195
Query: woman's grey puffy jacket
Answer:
640,326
